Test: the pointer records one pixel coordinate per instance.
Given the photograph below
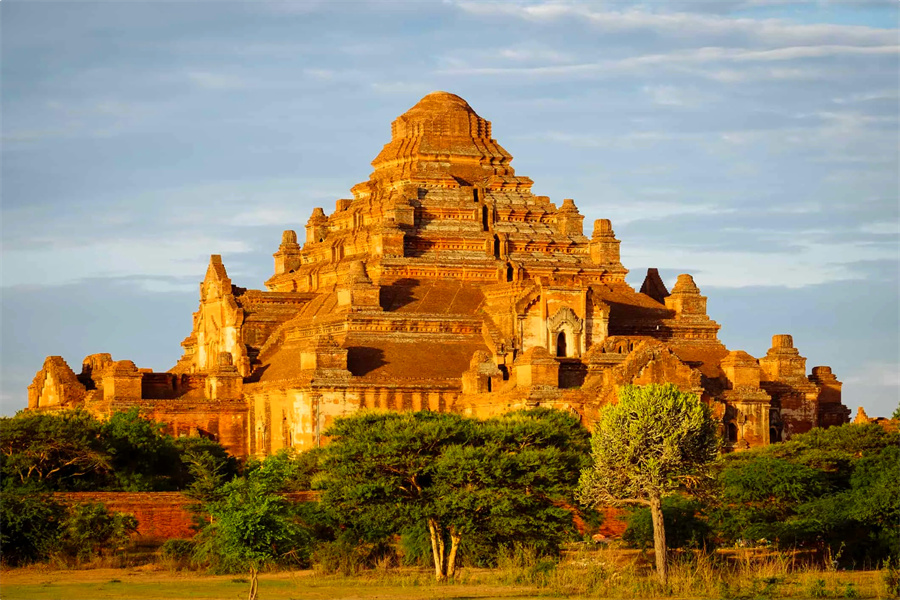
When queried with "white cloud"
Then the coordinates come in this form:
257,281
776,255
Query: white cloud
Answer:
879,374
881,228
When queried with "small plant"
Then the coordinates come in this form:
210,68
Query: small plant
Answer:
818,589
890,574
850,591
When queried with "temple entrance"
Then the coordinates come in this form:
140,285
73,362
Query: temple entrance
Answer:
509,273
732,433
561,344
774,435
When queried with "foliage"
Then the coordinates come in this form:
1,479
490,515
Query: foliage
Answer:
896,414
50,452
91,530
655,441
287,470
29,527
34,527
74,451
141,457
830,488
176,549
251,527
684,523
460,479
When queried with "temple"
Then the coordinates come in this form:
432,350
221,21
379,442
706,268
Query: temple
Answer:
444,284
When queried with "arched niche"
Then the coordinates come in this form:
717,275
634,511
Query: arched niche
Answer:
565,330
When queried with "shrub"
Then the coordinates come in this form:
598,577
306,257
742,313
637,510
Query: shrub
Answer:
91,530
29,527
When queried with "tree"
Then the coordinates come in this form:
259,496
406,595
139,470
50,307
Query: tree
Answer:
53,451
379,471
250,527
142,457
503,479
29,527
655,441
91,530
833,488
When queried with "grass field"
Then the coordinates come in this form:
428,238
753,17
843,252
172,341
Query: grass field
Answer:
604,577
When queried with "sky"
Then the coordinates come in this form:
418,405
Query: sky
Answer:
752,144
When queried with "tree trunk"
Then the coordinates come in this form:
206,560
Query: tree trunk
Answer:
437,549
659,538
455,538
254,583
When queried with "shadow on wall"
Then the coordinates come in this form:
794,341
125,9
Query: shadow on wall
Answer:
362,360
398,294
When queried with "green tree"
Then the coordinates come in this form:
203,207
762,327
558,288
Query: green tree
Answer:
835,487
459,478
53,451
251,527
91,530
142,457
29,527
655,441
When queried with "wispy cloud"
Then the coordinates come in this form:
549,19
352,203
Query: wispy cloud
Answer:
809,263
210,80
114,258
686,58
684,24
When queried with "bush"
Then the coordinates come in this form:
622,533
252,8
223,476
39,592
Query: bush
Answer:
348,557
177,549
29,527
176,554
91,530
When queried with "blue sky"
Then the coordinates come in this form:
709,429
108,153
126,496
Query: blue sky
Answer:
753,144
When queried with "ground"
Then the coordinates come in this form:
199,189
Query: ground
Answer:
151,581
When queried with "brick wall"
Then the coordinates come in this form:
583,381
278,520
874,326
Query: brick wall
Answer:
160,515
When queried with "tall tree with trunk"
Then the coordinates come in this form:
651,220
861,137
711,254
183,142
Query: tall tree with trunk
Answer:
655,441
502,479
380,471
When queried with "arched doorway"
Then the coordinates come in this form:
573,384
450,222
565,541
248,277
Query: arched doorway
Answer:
561,344
732,433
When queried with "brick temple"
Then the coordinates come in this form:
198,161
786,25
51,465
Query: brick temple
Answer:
444,284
